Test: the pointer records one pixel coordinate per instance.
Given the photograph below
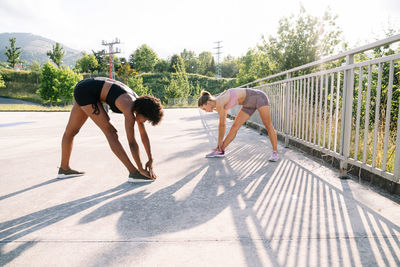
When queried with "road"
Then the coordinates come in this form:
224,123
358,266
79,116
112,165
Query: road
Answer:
237,211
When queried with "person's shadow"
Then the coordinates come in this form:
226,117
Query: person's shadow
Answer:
210,188
15,229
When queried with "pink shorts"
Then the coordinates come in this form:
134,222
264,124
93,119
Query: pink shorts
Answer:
254,100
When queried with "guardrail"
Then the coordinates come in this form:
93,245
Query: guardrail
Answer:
182,102
350,112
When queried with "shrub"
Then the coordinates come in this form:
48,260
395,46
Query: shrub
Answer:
57,84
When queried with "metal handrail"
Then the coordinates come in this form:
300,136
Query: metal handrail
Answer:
387,41
319,109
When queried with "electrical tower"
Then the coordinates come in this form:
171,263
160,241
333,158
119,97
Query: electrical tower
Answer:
218,53
111,52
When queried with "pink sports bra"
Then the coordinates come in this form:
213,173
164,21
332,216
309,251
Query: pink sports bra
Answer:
233,100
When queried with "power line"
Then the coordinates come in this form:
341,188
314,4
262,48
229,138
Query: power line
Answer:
110,53
218,53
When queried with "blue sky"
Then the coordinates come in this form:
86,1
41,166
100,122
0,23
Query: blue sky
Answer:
169,26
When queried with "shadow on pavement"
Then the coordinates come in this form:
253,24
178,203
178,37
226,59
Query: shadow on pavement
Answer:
15,229
283,214
29,188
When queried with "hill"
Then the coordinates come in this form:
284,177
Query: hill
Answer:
34,47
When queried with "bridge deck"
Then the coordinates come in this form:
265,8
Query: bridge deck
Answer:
238,211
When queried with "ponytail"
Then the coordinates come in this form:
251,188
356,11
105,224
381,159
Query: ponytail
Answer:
204,97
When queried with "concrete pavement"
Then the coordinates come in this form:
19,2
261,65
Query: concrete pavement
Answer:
5,100
238,211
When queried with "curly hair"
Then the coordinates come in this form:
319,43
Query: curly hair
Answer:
150,107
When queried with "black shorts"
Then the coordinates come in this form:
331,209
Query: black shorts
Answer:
88,91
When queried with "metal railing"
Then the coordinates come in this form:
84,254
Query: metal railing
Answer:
182,102
350,112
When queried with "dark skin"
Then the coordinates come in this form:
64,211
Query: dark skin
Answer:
124,103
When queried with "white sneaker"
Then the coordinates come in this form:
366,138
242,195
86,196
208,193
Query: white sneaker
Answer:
216,154
274,156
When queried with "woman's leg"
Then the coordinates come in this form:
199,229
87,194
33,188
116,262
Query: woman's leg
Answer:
76,119
103,121
265,115
241,118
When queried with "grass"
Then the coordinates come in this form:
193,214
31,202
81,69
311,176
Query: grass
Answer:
23,96
25,107
390,156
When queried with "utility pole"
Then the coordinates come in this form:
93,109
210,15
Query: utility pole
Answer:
111,52
218,53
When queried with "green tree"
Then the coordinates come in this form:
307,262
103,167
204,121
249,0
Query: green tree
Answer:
56,54
143,59
229,67
302,39
35,66
252,66
47,88
162,65
205,63
210,70
4,65
66,79
190,60
13,53
136,84
101,60
87,63
176,64
2,83
125,72
57,85
179,86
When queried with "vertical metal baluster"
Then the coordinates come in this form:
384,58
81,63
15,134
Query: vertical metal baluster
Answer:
321,88
377,110
294,109
388,111
311,108
367,108
304,110
325,109
291,107
337,110
307,108
330,113
397,155
282,106
316,109
360,77
347,112
286,99
298,108
295,84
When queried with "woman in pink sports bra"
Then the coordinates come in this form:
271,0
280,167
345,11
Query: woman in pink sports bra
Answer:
250,100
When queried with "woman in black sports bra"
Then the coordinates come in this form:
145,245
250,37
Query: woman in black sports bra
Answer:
89,94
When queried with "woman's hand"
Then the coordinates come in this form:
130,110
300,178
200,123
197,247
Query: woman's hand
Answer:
149,168
145,173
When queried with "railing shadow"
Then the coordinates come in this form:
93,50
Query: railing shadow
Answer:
303,220
15,229
283,214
